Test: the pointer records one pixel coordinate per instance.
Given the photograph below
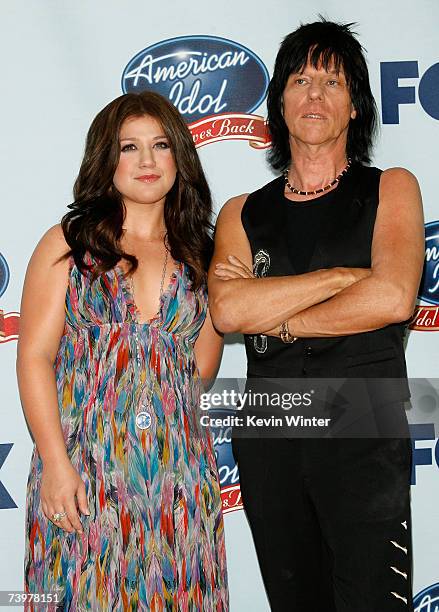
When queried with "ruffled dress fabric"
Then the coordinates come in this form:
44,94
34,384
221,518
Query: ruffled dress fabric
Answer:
155,538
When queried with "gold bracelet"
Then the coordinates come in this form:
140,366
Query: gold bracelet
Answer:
285,335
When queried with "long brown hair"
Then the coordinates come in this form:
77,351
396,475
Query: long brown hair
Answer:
94,223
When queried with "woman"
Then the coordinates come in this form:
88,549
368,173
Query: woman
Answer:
123,498
341,247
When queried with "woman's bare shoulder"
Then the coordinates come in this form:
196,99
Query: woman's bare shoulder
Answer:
52,246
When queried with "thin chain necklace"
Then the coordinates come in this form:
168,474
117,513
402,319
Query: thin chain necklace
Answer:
143,416
322,189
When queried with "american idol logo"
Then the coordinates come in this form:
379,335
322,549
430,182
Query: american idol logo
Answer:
4,275
8,320
429,291
427,600
227,468
201,75
215,83
426,317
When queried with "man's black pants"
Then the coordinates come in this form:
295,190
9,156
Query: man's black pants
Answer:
331,521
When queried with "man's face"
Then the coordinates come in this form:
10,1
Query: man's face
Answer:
317,105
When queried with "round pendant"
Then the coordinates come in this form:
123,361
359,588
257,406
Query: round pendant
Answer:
143,420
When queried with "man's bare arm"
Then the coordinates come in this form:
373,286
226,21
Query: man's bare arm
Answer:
388,295
249,305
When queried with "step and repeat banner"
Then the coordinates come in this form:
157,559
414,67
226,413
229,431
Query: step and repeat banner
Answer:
62,62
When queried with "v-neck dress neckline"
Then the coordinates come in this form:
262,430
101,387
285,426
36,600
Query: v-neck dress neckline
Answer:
129,298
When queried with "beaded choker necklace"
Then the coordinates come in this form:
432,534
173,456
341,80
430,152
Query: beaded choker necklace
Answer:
322,189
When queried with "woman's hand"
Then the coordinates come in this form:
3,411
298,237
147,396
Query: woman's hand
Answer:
234,268
60,483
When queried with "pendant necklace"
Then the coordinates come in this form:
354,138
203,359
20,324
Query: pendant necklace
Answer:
143,416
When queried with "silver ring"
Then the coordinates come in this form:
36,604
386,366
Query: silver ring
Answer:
57,516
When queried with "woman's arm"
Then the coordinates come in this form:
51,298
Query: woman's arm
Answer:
42,321
41,326
250,305
389,294
208,352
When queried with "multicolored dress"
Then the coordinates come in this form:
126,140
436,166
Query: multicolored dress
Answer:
154,539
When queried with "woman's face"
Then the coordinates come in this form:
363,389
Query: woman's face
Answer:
146,170
317,105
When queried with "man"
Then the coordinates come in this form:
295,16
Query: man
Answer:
319,269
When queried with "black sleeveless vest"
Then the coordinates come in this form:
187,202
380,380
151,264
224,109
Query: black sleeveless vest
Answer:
345,239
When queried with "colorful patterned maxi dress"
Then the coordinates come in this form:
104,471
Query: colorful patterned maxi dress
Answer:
154,539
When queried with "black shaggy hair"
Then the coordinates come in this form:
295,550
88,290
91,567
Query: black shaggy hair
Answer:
332,46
